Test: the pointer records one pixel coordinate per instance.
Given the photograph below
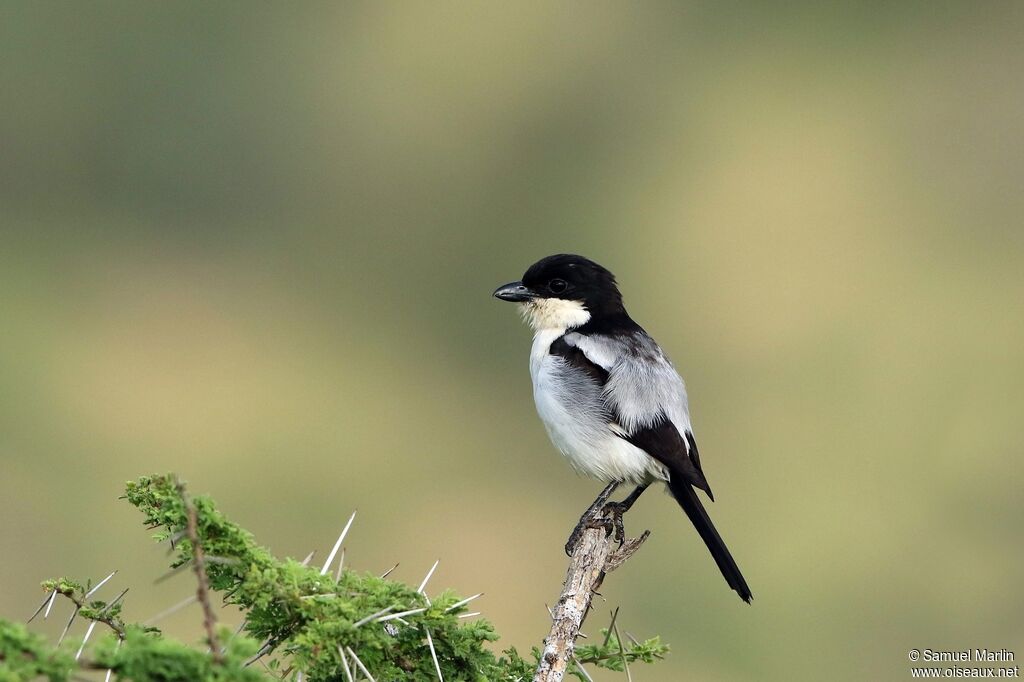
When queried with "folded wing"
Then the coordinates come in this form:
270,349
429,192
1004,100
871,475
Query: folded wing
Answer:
644,395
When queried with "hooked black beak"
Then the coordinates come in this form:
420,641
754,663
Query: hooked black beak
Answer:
516,292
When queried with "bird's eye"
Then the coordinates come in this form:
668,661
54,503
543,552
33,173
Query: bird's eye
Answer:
557,286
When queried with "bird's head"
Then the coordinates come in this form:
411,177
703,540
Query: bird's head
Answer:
564,291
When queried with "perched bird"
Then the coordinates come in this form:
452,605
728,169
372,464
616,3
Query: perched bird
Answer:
610,399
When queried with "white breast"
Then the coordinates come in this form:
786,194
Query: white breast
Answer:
572,408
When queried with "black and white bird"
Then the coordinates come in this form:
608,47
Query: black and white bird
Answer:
610,399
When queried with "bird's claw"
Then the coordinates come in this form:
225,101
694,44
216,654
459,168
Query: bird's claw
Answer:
614,511
594,512
608,517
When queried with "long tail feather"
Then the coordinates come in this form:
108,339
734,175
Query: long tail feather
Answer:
687,498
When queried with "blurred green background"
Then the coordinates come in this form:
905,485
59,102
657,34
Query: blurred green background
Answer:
255,243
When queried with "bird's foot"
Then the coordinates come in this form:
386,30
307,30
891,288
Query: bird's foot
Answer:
594,517
607,517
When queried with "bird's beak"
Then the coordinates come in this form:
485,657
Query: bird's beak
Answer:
516,292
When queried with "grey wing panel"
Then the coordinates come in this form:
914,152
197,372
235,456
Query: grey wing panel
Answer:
642,385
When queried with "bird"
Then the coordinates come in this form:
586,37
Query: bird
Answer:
609,397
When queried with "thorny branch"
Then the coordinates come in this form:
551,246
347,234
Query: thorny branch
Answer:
601,547
593,556
202,583
105,616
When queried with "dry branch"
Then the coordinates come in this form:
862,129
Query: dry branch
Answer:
594,555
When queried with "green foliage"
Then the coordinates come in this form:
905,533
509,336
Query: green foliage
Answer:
145,656
308,616
614,654
25,655
295,619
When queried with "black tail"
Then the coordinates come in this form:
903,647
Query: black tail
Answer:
687,498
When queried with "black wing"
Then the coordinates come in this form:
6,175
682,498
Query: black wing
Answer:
663,442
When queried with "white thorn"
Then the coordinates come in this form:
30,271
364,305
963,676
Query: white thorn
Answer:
49,604
468,615
364,621
337,545
314,596
433,654
309,557
360,664
88,634
463,602
386,573
99,585
67,627
116,599
410,612
46,600
109,671
423,584
341,565
344,664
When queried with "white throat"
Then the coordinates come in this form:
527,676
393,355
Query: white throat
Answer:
554,314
